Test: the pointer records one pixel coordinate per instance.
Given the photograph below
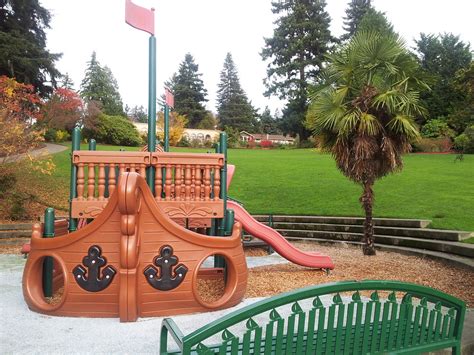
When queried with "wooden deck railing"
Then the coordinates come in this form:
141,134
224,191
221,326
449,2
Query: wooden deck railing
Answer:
186,185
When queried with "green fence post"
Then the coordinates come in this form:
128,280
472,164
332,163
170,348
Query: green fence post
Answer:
76,145
48,232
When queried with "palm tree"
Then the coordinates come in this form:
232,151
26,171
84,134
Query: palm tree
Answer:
364,112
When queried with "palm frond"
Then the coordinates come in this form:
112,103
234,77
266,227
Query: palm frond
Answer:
402,124
325,112
348,122
368,124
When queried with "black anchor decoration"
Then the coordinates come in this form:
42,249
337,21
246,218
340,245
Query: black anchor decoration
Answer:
94,261
167,280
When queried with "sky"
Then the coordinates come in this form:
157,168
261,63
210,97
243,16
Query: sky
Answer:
209,29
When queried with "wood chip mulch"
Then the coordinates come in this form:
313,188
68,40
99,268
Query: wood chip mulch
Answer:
350,265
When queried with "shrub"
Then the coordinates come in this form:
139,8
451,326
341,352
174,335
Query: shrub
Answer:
18,210
251,144
266,144
184,142
233,137
116,130
56,135
309,143
209,144
176,127
50,135
465,141
196,143
433,145
437,128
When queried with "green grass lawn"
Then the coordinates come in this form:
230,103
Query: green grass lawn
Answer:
304,181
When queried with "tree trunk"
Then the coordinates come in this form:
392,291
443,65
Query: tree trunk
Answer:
367,200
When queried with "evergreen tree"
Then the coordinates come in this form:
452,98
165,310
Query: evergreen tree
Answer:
268,123
66,82
441,57
209,121
233,107
354,14
100,85
138,114
462,115
23,45
189,91
375,21
296,53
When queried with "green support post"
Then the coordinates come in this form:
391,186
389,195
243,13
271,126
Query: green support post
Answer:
76,145
221,224
229,222
223,150
270,224
92,144
213,229
48,232
150,175
166,145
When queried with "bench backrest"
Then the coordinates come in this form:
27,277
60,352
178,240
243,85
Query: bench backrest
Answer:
376,317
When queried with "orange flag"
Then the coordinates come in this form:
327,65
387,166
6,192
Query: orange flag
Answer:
139,17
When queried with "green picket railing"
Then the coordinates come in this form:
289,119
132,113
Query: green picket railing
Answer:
421,320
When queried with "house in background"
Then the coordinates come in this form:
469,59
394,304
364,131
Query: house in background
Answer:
191,134
201,135
274,138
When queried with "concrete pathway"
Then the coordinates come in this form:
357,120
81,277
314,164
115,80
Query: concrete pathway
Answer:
49,149
25,332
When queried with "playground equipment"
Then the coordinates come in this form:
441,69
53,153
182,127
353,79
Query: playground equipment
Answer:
142,230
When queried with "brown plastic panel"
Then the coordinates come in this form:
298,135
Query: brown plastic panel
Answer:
130,232
164,158
112,157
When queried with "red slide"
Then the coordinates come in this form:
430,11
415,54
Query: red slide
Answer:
278,242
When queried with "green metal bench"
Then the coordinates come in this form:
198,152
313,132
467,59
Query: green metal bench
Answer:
392,317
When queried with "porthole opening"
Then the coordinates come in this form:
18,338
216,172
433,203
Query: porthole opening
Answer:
211,278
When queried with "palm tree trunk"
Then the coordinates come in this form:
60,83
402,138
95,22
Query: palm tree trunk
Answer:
367,200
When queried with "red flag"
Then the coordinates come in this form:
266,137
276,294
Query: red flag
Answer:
139,17
169,98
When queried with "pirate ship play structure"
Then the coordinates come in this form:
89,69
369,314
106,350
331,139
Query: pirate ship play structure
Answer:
142,228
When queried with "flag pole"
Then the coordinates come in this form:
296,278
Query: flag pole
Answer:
151,108
144,20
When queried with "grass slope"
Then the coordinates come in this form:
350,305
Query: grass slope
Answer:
306,182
